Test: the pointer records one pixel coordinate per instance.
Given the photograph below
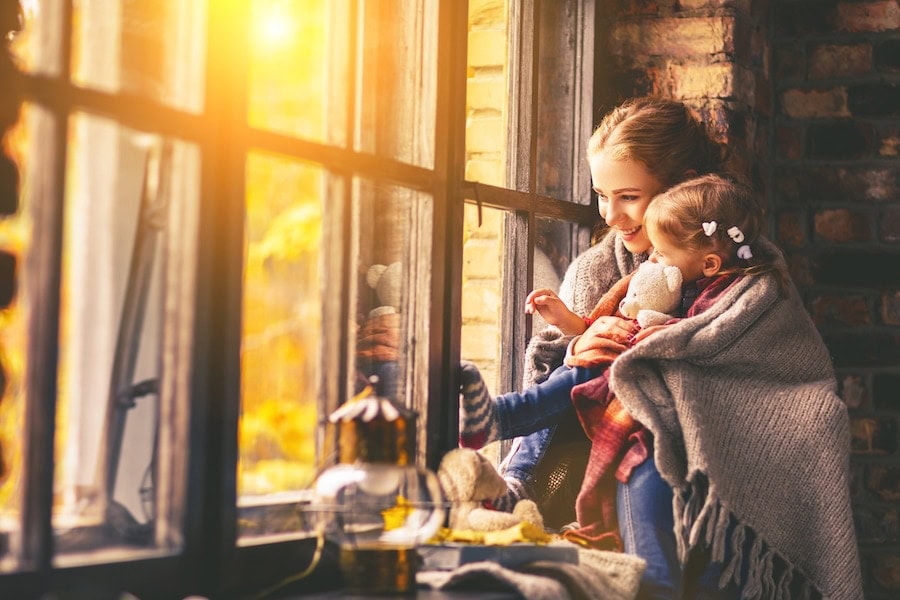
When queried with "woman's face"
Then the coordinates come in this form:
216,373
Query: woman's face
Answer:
624,189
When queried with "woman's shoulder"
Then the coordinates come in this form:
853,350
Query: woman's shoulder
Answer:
593,272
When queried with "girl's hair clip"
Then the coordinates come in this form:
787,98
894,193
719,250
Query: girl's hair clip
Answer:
744,252
709,228
735,234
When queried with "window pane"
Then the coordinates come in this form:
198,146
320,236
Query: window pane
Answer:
487,103
396,92
154,48
281,331
16,243
128,250
37,46
298,60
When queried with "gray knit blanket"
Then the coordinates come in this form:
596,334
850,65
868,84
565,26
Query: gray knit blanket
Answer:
747,425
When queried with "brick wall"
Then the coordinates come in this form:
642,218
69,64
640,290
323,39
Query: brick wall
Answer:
807,93
836,69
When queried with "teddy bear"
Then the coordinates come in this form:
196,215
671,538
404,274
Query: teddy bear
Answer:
385,280
653,292
468,480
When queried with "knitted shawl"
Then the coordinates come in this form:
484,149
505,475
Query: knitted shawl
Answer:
742,404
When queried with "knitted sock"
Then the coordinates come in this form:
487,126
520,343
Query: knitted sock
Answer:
515,491
477,415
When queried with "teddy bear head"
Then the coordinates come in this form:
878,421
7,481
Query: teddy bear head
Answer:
386,281
654,287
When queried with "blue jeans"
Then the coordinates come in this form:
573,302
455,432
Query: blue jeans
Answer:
644,507
534,414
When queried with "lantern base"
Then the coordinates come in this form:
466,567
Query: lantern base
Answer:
379,570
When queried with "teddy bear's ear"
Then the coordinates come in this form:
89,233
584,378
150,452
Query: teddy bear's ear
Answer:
673,277
457,473
374,274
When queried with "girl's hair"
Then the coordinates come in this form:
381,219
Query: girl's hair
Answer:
712,213
664,136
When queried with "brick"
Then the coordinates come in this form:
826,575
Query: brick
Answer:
485,13
870,436
885,570
791,229
840,310
874,100
673,38
479,342
890,224
888,143
844,139
790,62
790,141
854,350
858,268
491,221
868,16
827,61
800,269
887,56
485,134
701,81
810,104
890,308
481,259
481,301
876,525
884,482
842,226
886,391
853,391
827,184
486,48
793,19
486,93
484,170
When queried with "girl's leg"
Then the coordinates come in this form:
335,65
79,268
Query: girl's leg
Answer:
483,420
644,506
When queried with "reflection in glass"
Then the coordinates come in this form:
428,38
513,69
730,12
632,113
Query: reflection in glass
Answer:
294,57
281,326
397,91
15,243
130,222
37,45
154,48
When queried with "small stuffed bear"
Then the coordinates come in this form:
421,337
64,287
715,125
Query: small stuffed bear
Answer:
385,280
468,479
653,292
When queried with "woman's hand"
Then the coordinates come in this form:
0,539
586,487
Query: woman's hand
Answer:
545,302
606,333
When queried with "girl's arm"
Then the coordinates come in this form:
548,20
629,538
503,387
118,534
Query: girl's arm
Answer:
545,302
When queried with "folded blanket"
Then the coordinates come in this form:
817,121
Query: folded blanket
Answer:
741,401
598,574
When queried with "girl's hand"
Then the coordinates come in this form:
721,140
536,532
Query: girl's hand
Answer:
545,302
603,331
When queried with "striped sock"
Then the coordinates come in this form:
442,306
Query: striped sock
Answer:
515,491
477,417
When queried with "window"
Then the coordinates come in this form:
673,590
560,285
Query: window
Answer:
232,215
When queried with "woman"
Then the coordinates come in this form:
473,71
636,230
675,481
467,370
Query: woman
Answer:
640,149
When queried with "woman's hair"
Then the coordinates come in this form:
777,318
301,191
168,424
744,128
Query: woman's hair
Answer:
664,136
713,213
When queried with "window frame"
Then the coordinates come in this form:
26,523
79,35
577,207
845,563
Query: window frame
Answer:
212,562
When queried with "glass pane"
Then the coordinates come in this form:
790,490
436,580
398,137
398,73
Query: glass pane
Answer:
487,95
281,332
128,248
154,48
396,92
37,46
15,245
299,69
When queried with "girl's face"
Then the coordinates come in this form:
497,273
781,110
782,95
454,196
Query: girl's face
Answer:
694,264
624,189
